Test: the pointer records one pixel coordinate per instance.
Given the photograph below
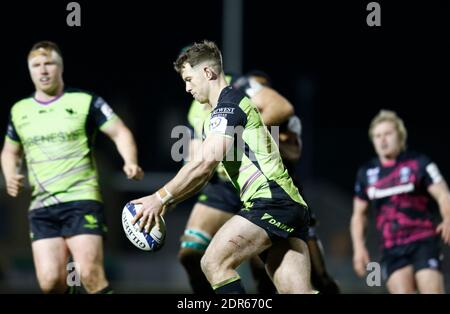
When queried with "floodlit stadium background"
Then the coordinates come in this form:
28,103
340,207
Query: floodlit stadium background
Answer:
322,56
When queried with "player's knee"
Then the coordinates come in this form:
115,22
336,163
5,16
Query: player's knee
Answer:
288,282
213,265
193,245
52,282
209,265
287,286
91,275
190,258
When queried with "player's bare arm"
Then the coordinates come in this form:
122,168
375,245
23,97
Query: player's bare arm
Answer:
441,194
358,227
119,133
190,179
275,109
11,160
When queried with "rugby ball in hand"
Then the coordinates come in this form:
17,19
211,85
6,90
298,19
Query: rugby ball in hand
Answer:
151,241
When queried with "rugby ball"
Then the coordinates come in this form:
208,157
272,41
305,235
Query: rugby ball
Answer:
151,241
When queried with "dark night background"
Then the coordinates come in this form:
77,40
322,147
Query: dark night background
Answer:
337,71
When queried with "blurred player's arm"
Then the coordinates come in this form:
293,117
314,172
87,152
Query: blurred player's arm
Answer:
358,226
441,194
275,109
11,158
291,141
122,137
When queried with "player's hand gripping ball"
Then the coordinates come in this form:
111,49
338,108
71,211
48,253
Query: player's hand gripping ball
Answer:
151,241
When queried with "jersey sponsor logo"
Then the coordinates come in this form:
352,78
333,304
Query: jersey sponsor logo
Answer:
107,110
375,193
372,175
405,173
269,218
92,222
223,111
57,137
434,173
70,111
218,125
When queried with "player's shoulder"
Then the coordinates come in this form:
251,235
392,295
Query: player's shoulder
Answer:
419,157
79,91
88,98
414,154
234,101
370,165
22,104
230,96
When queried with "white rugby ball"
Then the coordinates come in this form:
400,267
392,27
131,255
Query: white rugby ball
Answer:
151,241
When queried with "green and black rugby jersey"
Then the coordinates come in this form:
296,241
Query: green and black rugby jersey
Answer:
57,139
254,164
197,115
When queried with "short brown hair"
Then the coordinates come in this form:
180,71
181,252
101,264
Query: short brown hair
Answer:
47,46
198,53
390,116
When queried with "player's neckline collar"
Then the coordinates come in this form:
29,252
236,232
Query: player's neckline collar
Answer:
48,102
388,163
393,162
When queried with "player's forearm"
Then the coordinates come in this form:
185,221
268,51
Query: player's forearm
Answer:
275,109
126,146
191,178
272,117
444,205
358,229
11,163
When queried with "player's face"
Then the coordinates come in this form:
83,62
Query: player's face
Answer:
386,139
196,83
45,72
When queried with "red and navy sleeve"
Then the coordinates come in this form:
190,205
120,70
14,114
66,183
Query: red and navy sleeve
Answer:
428,171
361,185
